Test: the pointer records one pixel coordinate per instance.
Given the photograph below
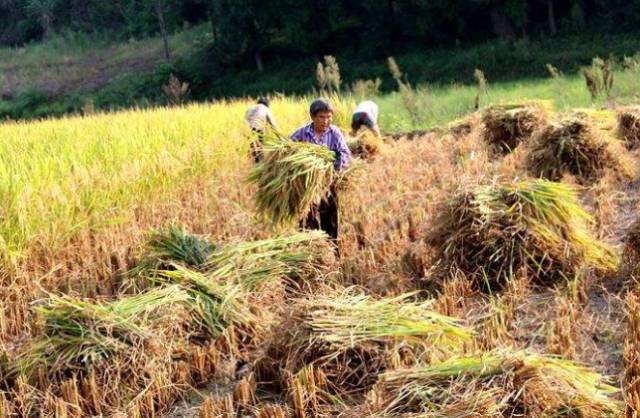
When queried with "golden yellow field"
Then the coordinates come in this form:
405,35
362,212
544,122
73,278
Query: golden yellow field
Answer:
461,275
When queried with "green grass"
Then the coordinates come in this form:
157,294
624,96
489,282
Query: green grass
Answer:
447,103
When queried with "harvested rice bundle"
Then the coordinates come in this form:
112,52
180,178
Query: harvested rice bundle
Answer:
508,125
256,262
214,304
536,385
79,333
249,263
629,126
355,318
365,146
577,147
291,177
349,336
537,228
172,245
464,126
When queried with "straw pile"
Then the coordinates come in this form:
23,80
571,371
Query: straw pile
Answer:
291,177
79,333
629,126
349,337
507,126
533,228
365,146
505,382
577,147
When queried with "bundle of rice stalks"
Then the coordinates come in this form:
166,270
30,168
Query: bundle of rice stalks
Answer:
172,245
213,303
629,126
631,356
577,147
249,263
508,125
79,333
349,336
356,318
534,228
532,384
253,263
291,177
365,146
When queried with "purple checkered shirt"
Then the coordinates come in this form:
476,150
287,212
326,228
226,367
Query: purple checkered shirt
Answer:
331,138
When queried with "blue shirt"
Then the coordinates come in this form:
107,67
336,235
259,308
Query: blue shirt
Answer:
331,138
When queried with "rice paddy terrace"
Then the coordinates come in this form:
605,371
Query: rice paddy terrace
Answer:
487,268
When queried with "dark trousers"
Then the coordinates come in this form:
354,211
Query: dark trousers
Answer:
324,216
256,145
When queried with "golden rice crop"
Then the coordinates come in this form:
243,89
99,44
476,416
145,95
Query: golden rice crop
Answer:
291,178
536,228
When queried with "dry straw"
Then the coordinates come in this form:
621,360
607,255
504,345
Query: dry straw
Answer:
508,125
581,146
365,146
535,228
632,357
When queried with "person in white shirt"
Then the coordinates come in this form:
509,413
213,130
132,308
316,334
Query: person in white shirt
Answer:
258,117
366,114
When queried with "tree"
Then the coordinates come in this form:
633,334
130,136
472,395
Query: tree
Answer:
43,10
160,9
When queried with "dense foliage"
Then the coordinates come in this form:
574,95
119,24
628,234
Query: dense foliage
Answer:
247,31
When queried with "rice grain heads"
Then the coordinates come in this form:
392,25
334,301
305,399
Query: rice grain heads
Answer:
532,228
508,125
291,177
577,146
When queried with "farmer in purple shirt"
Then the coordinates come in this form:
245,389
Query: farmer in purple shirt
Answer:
321,132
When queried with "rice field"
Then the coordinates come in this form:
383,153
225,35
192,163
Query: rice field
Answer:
151,269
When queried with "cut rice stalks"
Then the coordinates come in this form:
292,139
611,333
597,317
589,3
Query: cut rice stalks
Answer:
365,146
350,337
629,126
536,385
291,178
214,304
508,125
353,318
578,146
80,333
533,228
250,264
